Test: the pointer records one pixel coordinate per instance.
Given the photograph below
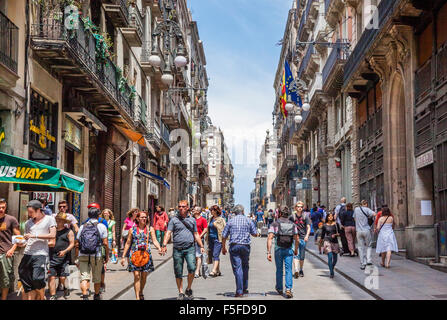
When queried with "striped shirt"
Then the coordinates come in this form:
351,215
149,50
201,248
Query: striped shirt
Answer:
239,230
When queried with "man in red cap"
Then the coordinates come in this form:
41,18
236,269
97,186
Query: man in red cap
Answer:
94,205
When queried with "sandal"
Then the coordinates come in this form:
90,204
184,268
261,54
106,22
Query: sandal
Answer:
212,274
382,265
141,296
219,274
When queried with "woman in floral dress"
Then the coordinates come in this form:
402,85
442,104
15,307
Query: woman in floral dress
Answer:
138,239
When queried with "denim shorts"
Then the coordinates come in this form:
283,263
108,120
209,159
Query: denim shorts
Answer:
179,256
301,250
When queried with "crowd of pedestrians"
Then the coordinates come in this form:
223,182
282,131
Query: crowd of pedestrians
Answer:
53,241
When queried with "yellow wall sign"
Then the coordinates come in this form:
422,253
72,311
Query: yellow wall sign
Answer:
42,132
2,135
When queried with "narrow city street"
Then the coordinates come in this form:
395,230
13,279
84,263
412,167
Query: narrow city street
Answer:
316,283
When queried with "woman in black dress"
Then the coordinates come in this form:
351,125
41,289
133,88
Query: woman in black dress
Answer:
329,235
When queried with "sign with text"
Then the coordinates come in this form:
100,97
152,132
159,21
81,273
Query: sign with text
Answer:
424,159
48,195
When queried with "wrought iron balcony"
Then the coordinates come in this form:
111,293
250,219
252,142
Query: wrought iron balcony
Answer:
71,54
134,33
171,112
333,69
306,59
140,114
154,134
165,134
9,41
118,12
385,8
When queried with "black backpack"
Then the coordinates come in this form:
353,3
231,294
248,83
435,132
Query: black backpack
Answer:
89,239
284,237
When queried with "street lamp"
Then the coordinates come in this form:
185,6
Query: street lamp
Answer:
168,29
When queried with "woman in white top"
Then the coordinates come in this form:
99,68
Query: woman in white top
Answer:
386,241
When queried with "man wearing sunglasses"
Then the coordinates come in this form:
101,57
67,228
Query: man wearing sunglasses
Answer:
184,232
72,223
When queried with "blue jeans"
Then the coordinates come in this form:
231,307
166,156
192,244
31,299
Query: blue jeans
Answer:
215,247
331,261
284,257
301,250
239,256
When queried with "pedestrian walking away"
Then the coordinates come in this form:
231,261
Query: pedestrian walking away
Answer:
286,238
260,220
9,229
216,226
364,219
303,226
331,247
140,262
238,230
108,216
92,236
40,233
59,255
184,231
386,241
160,224
348,226
202,230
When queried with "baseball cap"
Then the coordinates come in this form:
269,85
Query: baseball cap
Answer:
94,205
35,204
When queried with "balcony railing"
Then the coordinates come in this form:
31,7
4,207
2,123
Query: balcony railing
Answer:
9,41
81,45
141,109
165,134
386,8
337,55
304,63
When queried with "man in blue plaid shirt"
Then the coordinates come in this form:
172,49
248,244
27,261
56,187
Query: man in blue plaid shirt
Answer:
239,230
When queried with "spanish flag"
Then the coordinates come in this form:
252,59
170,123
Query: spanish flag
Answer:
283,96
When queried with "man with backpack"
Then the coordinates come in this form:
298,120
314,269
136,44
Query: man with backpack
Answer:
285,233
364,219
303,226
89,241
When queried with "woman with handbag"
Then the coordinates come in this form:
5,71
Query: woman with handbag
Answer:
140,262
386,241
215,229
332,242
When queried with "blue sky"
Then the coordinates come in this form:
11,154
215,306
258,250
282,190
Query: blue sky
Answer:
240,38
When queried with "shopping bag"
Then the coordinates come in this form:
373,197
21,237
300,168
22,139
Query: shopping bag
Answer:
205,270
114,258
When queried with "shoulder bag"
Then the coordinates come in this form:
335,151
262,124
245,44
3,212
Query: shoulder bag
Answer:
340,244
141,257
370,219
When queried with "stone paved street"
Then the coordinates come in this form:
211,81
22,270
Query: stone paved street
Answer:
315,285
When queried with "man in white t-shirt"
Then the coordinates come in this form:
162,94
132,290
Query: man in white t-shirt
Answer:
89,240
40,232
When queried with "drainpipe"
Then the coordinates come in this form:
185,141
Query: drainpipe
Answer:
437,239
26,77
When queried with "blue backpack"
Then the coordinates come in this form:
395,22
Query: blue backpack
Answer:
89,239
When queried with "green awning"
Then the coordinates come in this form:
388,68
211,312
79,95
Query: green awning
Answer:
67,182
29,175
18,170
